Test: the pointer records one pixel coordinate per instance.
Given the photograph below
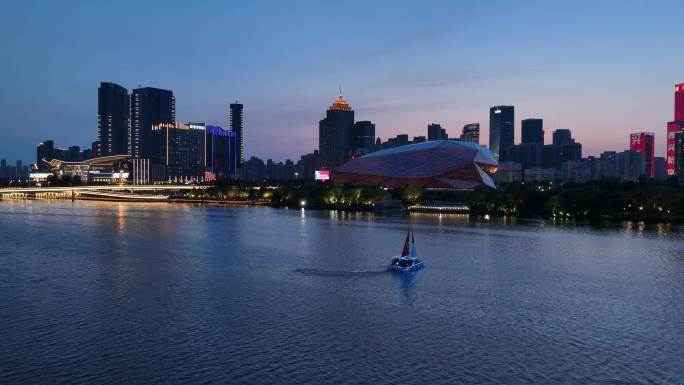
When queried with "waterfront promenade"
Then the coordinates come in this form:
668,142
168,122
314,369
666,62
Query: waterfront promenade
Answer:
145,193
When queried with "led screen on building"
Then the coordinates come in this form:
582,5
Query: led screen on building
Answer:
322,175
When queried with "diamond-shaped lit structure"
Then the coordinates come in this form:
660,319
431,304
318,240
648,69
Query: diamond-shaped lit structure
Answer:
435,164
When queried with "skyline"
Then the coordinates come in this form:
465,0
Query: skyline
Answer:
400,67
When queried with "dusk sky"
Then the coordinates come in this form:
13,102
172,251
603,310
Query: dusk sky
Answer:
601,68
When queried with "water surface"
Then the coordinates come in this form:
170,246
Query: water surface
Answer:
109,293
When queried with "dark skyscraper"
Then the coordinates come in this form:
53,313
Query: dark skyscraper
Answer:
436,132
471,133
335,134
45,150
563,149
149,106
501,130
237,127
364,137
112,119
532,131
562,136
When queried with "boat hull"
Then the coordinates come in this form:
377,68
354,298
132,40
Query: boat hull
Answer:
406,269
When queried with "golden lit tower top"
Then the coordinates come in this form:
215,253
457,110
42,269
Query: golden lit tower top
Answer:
340,104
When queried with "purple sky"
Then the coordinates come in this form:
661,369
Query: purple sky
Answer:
601,68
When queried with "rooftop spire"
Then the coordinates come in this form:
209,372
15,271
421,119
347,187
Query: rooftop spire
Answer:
340,104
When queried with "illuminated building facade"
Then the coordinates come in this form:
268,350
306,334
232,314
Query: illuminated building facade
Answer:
114,169
674,127
501,130
112,119
679,102
335,134
222,157
181,148
643,143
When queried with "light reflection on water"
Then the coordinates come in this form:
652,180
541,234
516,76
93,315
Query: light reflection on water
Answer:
96,292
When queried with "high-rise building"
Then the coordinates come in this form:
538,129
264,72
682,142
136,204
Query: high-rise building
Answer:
45,150
74,154
643,143
397,141
364,137
679,154
563,149
675,126
501,130
237,127
609,159
679,103
530,155
255,169
471,133
660,172
672,129
149,107
630,165
562,136
308,164
221,158
436,132
112,119
532,131
335,139
181,149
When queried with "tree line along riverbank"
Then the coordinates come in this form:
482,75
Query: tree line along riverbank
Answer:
643,200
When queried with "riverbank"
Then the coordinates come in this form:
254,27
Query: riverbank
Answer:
602,200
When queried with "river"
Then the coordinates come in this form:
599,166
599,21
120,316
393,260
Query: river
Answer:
114,293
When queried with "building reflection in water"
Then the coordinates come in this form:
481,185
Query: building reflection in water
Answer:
121,219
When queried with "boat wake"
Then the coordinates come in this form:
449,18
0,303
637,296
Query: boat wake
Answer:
340,273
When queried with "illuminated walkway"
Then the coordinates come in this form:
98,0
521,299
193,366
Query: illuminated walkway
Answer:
109,192
130,188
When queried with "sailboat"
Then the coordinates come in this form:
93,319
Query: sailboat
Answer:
408,260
